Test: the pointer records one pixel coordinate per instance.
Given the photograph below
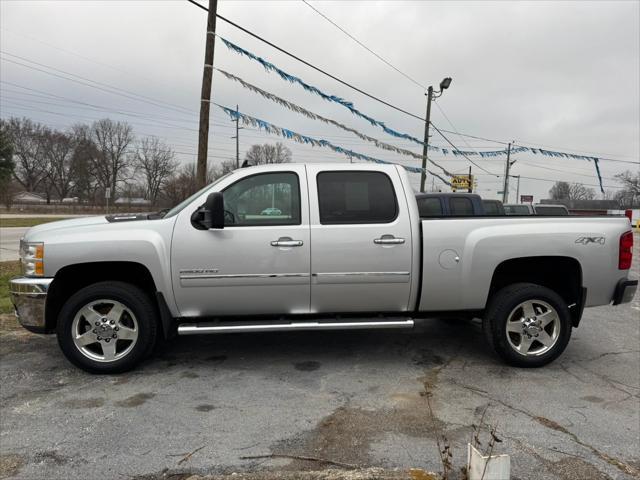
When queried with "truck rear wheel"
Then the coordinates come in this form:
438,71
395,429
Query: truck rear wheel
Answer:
528,325
107,327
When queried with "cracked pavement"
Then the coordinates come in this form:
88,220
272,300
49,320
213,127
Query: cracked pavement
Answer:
350,397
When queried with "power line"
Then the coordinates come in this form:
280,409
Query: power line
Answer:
318,69
89,107
363,45
101,86
456,148
538,144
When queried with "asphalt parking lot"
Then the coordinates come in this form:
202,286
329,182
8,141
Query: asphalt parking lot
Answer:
355,397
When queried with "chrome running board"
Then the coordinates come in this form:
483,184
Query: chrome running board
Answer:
214,327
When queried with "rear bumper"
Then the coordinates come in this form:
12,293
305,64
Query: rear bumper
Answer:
29,297
625,290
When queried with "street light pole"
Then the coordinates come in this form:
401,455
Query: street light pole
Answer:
444,84
425,147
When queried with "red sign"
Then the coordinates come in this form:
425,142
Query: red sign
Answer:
526,198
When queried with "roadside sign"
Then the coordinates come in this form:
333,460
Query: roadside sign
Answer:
526,198
463,182
107,193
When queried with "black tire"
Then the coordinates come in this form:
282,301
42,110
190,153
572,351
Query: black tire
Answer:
134,299
497,314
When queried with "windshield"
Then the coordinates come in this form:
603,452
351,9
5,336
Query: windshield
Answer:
182,205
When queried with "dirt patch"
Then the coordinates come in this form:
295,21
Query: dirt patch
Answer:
135,400
329,474
551,424
9,323
10,465
83,403
308,366
345,435
575,468
189,375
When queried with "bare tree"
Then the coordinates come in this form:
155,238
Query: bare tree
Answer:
7,165
559,191
268,153
156,162
571,191
59,150
577,191
112,164
26,138
184,183
227,166
629,195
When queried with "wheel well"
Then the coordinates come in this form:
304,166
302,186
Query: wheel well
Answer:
563,275
72,278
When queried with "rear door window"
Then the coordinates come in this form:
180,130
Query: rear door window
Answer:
430,207
460,207
356,197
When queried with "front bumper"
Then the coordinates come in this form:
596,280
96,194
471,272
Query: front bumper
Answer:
29,296
625,290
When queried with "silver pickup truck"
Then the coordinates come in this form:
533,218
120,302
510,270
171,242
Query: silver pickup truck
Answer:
313,247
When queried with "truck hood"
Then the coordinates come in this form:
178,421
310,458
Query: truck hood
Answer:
65,224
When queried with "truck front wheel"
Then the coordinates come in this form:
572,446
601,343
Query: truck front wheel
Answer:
528,325
107,327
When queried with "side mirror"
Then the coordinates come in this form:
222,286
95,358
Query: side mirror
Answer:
211,214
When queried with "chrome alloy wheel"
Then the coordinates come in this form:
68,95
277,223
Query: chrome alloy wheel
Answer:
533,328
104,330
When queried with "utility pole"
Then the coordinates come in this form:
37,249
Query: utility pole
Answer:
507,167
425,147
470,181
237,137
518,190
205,95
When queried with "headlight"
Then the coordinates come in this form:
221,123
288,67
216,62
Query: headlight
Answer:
32,258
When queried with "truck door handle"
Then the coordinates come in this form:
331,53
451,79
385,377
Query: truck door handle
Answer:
286,242
388,240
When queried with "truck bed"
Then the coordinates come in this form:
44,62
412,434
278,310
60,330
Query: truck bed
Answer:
461,254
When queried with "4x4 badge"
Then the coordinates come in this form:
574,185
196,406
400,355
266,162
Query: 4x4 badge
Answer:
588,240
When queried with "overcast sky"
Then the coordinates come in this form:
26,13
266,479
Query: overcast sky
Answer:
561,75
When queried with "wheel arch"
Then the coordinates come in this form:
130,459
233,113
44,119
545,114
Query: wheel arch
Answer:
561,274
71,278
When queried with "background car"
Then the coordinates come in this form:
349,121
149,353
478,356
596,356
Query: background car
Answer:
271,211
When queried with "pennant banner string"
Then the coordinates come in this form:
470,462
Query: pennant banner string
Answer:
349,105
315,116
297,137
310,88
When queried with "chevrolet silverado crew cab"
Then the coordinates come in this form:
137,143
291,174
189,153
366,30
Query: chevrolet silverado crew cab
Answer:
313,247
